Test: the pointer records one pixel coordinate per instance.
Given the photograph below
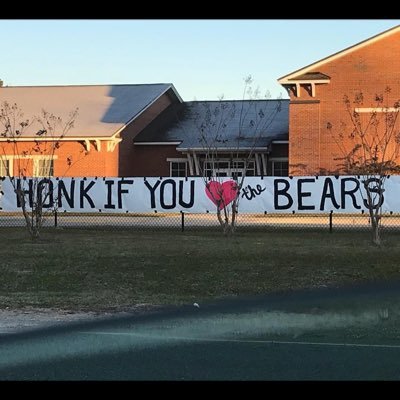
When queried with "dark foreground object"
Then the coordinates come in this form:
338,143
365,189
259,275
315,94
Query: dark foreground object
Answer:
342,334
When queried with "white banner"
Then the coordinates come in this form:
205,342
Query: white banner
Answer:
258,195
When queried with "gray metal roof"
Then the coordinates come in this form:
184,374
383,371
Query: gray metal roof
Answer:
223,125
102,109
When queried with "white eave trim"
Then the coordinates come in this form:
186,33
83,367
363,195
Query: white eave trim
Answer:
317,64
54,139
204,149
175,159
146,107
279,159
176,93
29,157
156,143
304,81
376,110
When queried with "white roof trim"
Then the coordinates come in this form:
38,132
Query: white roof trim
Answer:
279,158
313,66
156,143
304,81
176,93
377,110
29,157
171,86
56,138
221,149
169,159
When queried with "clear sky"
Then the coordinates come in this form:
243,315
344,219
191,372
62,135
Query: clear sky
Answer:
202,58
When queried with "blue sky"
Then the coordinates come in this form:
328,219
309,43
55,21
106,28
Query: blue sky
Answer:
202,58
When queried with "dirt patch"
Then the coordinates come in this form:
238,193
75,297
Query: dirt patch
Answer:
14,321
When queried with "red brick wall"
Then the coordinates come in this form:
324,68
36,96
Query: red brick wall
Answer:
128,164
369,70
304,137
95,163
152,160
124,160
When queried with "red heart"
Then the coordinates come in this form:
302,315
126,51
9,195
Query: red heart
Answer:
222,194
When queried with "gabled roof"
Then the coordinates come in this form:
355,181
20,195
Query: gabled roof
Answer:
315,66
103,110
245,124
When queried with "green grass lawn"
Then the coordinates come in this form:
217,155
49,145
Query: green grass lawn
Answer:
101,270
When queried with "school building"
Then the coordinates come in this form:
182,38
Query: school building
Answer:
316,99
148,130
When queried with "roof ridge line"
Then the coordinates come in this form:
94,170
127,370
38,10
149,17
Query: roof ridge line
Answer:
338,54
85,85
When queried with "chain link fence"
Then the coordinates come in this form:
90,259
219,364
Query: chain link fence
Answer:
328,222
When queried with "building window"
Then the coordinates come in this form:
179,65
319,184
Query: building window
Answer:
178,168
251,168
280,168
233,168
43,167
5,167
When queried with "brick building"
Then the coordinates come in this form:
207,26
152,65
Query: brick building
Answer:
316,98
147,130
214,138
144,130
100,142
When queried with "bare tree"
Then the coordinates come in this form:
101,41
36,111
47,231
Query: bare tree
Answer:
370,147
229,133
22,140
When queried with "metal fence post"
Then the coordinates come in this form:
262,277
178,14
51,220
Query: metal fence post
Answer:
182,221
55,219
330,221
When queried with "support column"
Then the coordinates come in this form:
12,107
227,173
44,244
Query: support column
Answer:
190,162
264,164
258,169
196,163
